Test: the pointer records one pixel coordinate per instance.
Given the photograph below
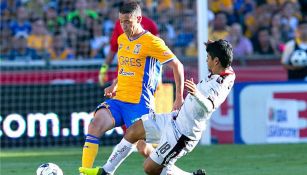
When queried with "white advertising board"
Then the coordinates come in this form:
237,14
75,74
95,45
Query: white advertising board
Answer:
252,102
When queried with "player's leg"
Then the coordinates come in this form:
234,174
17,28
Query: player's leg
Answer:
146,127
107,116
173,145
125,147
102,122
157,164
144,148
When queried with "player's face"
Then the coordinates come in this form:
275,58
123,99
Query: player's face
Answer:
212,62
128,22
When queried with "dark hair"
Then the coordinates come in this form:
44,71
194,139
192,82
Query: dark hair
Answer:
302,22
221,49
120,3
130,7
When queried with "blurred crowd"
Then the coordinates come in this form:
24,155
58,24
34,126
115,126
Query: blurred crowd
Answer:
81,29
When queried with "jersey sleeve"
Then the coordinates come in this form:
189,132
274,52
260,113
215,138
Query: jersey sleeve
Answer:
204,101
219,89
160,51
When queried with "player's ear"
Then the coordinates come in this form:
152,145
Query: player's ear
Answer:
139,18
216,60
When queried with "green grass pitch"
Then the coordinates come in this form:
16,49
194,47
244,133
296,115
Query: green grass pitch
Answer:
274,159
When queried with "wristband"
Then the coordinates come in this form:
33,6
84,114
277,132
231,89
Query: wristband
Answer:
104,68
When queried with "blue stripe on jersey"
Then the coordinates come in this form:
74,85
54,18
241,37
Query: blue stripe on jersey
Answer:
150,80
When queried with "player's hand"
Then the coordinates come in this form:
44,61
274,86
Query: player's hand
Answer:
110,91
190,86
178,103
103,74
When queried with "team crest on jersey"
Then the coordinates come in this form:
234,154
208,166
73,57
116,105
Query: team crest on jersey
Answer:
120,46
137,49
127,48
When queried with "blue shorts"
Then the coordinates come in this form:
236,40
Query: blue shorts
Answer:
124,113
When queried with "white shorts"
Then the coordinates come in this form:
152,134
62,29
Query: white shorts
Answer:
161,128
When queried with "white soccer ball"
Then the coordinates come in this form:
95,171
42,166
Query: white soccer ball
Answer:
299,58
49,169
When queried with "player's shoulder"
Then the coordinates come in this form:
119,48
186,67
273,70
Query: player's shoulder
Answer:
152,39
226,76
122,37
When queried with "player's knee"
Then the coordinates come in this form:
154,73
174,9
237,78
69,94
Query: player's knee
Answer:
148,169
100,123
135,132
143,148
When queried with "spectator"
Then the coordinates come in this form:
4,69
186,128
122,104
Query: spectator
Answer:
294,58
185,35
39,39
289,19
165,5
20,51
219,30
21,24
83,50
250,24
77,17
167,30
242,7
99,42
59,49
263,16
278,31
191,49
263,43
71,32
5,19
242,46
53,21
5,36
36,8
221,6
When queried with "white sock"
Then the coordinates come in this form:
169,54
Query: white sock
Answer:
174,170
119,154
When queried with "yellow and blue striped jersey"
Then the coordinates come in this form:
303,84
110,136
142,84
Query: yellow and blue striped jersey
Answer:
139,67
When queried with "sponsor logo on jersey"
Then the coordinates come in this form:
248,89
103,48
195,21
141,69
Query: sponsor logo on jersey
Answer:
123,73
166,53
126,61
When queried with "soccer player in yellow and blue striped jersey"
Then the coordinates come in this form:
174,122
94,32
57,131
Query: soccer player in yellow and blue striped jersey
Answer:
140,59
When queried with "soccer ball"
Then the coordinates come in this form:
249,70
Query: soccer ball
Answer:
49,169
299,58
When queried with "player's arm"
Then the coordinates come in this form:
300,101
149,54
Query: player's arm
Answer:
111,90
206,103
109,59
178,72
